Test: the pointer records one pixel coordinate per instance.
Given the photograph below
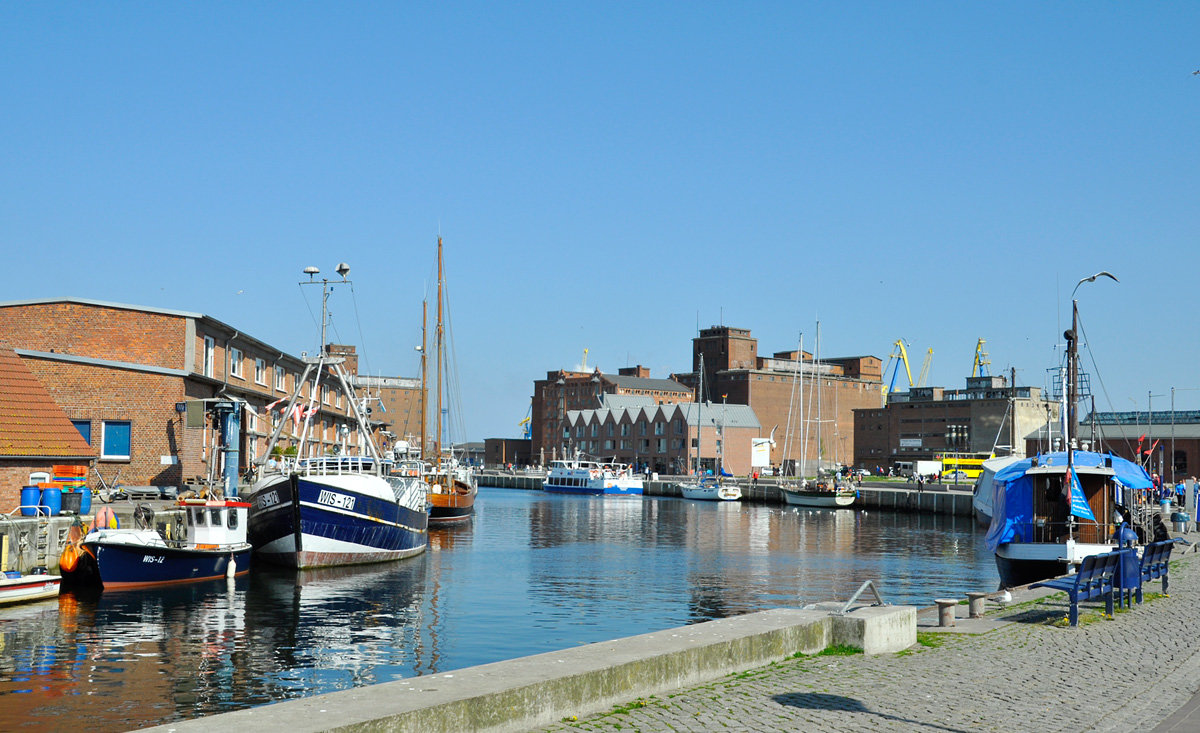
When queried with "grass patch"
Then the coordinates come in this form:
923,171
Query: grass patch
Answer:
839,650
930,639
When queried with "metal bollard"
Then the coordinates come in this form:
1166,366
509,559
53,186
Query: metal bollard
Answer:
946,610
975,605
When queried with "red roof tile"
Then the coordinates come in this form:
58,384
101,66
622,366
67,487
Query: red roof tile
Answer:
31,422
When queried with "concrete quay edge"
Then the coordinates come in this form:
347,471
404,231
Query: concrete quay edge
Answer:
541,689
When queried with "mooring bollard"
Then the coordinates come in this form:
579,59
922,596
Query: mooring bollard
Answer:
975,606
946,610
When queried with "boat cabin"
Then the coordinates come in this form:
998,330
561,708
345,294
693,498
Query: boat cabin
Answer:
215,523
1052,519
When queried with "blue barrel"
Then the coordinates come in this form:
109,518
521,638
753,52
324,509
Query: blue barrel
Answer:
85,501
52,501
30,496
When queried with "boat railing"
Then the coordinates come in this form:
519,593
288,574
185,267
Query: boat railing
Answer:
337,465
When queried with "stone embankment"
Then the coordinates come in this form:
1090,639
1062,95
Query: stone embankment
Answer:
950,499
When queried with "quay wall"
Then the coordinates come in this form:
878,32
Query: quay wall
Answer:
30,542
898,497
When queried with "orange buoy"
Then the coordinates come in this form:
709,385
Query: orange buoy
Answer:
68,559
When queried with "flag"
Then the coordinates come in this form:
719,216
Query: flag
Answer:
1079,505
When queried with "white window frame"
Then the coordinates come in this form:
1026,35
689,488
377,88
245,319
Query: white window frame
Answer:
260,371
210,350
235,362
280,378
104,454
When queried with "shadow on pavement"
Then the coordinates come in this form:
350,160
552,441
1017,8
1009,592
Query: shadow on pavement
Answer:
825,701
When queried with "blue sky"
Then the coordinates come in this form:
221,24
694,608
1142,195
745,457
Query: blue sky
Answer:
609,175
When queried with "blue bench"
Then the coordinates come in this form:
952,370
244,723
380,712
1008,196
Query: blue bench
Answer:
1093,581
1155,563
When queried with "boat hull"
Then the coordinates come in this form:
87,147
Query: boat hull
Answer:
818,499
454,506
710,493
310,522
122,565
1022,563
614,489
28,588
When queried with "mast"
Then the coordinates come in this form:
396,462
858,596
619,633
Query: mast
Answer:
1072,392
424,379
699,402
439,345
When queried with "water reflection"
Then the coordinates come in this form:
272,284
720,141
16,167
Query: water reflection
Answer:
532,572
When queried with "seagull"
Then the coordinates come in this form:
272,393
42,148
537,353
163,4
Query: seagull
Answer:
1092,279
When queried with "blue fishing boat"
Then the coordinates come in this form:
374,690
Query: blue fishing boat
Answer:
339,511
215,547
343,509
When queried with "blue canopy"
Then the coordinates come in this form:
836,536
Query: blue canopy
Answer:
1012,506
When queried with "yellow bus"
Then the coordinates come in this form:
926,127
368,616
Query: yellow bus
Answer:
962,467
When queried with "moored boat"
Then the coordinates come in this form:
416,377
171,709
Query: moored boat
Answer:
710,489
340,509
452,486
1051,511
820,495
215,547
579,476
17,588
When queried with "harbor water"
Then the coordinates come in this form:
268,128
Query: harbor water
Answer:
532,572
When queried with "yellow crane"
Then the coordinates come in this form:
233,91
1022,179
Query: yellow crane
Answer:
924,375
980,367
899,356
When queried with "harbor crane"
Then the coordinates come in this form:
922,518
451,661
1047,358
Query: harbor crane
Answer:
900,356
980,367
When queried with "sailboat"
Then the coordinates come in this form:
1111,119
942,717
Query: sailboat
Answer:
452,486
1051,511
825,492
708,488
341,509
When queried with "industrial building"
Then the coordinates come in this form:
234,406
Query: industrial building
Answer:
930,423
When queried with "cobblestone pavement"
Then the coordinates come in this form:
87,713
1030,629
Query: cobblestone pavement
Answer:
1126,673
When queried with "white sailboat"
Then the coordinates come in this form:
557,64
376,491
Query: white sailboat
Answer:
825,492
708,488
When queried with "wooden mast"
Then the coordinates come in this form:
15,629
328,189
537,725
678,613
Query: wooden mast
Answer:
438,333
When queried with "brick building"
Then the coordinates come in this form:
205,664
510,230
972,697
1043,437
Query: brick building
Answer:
927,423
124,375
787,391
563,391
664,437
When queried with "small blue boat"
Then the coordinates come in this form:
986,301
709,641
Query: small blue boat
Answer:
215,547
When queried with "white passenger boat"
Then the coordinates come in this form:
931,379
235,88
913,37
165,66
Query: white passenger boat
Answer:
710,489
578,476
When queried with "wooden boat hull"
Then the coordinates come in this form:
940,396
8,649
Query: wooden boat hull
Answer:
324,524
28,588
817,498
447,507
